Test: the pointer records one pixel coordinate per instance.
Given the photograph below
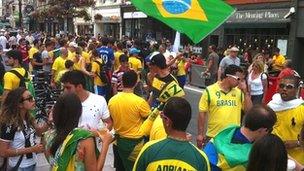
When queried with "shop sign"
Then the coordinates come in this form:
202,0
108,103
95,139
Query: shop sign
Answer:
130,15
197,50
111,19
259,16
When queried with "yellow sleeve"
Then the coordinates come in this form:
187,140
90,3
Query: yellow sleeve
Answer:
204,102
146,127
55,65
158,131
30,52
144,109
95,67
8,82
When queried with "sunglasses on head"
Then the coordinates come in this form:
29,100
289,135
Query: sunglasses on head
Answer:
233,76
287,86
30,99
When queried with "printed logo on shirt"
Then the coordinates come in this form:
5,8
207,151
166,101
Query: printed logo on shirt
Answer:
170,165
221,103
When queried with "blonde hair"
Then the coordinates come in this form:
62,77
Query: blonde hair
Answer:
260,65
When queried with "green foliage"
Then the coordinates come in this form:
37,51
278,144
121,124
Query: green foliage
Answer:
63,8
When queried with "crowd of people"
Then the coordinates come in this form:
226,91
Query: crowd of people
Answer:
131,95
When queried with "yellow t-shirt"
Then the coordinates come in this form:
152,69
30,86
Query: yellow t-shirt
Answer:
86,56
77,65
32,51
181,68
278,62
58,65
11,81
60,74
224,109
96,70
116,59
288,127
71,55
158,131
135,63
128,112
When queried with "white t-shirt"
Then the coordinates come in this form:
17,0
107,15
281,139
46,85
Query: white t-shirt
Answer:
3,41
256,85
45,55
94,108
17,141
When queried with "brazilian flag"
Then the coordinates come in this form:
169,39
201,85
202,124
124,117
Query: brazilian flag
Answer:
195,18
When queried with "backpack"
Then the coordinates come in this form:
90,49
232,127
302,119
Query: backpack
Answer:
24,81
102,72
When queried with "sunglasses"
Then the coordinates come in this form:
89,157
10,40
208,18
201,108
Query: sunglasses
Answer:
233,76
287,86
30,99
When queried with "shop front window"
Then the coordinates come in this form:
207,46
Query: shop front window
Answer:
254,39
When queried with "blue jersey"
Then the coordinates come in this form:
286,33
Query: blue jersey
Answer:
107,56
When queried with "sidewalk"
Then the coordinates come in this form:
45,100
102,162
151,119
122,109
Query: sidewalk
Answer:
43,165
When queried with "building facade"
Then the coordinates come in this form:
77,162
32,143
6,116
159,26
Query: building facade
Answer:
107,18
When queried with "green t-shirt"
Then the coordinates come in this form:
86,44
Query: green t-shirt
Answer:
171,154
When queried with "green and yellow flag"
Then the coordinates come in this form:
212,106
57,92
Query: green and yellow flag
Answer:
195,18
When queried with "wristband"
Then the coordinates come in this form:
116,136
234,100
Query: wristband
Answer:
16,151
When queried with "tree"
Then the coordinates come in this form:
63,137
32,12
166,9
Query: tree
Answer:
63,9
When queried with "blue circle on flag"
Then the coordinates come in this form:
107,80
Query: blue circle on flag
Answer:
176,6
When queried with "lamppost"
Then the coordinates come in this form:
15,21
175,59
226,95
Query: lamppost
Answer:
20,13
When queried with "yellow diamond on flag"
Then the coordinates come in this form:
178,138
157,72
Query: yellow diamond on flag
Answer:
187,9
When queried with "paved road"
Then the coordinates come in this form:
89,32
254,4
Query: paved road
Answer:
193,95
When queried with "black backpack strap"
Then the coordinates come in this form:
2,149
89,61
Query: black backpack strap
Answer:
18,74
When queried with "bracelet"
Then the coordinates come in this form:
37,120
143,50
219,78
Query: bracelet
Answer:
16,151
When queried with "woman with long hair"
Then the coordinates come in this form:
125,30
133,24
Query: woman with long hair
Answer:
69,147
257,82
268,154
17,131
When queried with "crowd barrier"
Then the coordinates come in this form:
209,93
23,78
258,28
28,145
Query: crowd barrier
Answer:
196,78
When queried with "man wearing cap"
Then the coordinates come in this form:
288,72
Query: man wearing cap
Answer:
134,62
162,79
231,59
72,51
164,86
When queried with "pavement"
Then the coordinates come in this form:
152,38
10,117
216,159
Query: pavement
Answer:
193,95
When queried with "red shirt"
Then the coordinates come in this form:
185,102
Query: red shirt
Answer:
24,52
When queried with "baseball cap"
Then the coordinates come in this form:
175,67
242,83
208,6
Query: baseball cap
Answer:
134,51
73,44
234,49
158,60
